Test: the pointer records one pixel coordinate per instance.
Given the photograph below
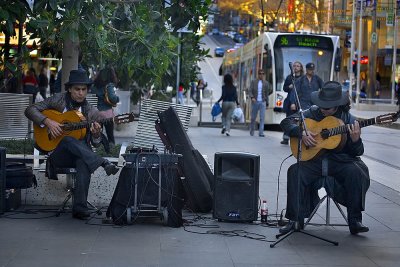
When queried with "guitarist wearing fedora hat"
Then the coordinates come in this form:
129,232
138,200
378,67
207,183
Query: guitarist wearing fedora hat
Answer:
71,152
350,175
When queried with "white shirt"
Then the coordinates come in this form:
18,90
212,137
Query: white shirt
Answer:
259,94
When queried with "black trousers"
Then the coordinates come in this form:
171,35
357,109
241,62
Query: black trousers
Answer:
110,132
72,153
351,182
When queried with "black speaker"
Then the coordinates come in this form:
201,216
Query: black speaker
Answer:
236,177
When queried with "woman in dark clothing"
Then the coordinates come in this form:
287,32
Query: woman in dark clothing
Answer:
228,97
104,84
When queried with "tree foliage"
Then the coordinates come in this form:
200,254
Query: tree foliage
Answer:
131,35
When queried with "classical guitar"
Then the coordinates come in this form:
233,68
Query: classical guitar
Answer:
74,124
332,134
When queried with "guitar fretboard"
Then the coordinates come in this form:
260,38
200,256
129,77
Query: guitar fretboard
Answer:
344,128
84,124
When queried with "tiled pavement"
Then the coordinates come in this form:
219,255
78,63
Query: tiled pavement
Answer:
63,241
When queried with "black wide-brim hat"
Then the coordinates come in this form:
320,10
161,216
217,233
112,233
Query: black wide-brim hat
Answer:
78,77
330,95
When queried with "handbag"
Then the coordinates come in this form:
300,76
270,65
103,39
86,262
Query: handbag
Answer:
107,98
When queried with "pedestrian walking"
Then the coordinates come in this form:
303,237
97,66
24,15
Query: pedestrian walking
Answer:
259,92
43,83
180,93
200,88
30,84
229,98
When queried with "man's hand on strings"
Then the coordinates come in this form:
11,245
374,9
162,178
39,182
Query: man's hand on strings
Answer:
354,131
54,128
309,140
95,129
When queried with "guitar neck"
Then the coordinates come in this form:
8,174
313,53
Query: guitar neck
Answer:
344,128
85,124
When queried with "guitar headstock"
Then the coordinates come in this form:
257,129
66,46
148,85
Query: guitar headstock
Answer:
124,118
387,118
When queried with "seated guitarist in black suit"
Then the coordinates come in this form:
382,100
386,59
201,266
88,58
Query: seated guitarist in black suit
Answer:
351,176
71,152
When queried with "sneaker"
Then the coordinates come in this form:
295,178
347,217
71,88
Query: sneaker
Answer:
227,134
223,130
261,135
285,142
251,133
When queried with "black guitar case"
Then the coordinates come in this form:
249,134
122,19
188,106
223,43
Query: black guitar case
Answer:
19,176
197,186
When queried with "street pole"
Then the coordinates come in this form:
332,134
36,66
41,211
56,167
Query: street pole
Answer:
372,55
359,49
394,53
178,67
353,39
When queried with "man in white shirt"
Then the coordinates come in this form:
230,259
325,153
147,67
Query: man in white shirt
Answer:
259,92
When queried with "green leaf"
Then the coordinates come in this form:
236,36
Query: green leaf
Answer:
53,4
4,15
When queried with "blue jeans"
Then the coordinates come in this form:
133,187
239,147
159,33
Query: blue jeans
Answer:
258,106
180,98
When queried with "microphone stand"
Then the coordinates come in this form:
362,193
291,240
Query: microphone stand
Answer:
302,127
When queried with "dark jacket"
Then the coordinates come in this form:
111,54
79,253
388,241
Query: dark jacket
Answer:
290,98
100,92
266,90
305,88
229,94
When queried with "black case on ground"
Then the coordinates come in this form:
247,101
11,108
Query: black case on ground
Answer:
197,186
19,176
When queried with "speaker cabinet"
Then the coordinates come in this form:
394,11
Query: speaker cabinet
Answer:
236,182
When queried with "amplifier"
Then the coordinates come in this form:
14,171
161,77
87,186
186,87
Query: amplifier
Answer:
149,159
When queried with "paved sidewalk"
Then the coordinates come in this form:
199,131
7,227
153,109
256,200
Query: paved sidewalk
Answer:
40,239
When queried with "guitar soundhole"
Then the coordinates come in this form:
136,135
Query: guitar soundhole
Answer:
325,134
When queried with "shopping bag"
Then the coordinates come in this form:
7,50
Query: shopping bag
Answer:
216,109
237,115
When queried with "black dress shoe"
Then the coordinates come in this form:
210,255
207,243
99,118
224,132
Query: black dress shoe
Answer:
357,227
81,215
290,226
110,168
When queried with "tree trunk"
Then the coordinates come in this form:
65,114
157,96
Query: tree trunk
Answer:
19,63
70,56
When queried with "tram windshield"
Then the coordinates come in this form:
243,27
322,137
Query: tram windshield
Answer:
316,49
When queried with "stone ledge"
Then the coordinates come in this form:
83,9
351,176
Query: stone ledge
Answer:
53,192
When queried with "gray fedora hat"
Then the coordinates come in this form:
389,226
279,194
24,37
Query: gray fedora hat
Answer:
78,77
330,95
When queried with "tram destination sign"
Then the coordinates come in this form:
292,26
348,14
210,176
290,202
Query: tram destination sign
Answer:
308,41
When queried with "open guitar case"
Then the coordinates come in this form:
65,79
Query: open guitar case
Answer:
198,178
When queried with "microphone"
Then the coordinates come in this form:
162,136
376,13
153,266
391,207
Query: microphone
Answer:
291,67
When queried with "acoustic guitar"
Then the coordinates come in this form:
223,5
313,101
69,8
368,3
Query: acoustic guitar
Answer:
332,134
74,124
